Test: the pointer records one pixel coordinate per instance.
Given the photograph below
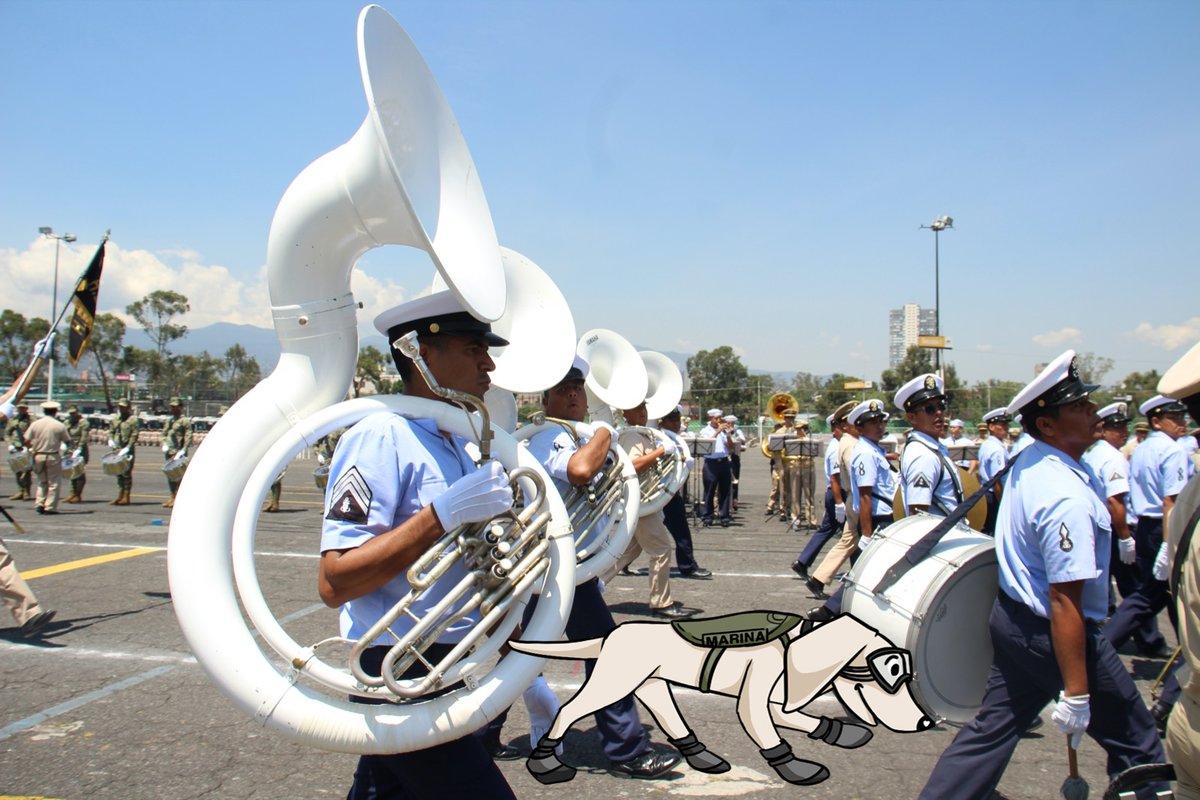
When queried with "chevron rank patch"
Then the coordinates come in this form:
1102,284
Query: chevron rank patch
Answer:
351,498
921,482
1064,538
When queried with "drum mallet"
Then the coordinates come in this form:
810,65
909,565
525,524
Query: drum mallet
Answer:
1074,787
8,516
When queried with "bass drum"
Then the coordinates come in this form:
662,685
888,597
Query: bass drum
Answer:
938,610
175,468
114,463
72,467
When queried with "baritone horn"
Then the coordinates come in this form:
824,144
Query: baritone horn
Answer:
664,389
406,177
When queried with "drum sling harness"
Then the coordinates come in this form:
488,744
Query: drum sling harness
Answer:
923,546
745,629
943,463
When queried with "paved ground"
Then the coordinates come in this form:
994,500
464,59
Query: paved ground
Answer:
111,703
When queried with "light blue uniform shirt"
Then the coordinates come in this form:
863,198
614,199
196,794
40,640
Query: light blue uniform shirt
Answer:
1023,441
385,469
1053,527
928,478
832,466
1158,469
553,450
869,467
992,458
1110,467
720,446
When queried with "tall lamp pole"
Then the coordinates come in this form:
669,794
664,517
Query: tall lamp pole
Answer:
58,240
937,226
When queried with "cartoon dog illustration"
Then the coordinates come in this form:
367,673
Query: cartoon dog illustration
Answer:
774,663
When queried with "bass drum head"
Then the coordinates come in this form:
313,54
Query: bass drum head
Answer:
938,611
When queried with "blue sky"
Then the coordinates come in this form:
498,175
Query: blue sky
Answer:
691,174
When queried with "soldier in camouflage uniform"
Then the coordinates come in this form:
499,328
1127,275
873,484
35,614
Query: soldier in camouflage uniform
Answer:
177,440
78,429
15,436
123,437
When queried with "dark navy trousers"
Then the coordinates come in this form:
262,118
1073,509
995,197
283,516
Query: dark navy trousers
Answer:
1023,679
718,478
461,769
675,517
622,734
1141,606
829,526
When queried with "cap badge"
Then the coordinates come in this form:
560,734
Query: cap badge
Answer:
873,405
434,327
1072,372
1122,409
930,382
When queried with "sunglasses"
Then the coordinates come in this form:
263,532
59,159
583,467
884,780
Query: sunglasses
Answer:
933,408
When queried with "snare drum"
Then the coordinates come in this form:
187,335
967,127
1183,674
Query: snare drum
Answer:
114,463
938,610
321,476
20,461
175,468
72,467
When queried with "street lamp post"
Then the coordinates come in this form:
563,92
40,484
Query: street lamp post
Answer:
937,226
58,240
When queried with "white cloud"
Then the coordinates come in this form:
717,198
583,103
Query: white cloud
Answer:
1169,337
214,293
1059,337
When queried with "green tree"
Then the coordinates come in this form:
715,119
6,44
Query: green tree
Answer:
1092,368
719,378
240,371
108,336
371,364
834,392
198,376
156,313
1141,385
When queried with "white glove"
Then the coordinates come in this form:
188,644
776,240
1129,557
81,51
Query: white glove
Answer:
166,448
1162,562
668,446
12,448
474,498
865,542
43,347
320,459
839,512
124,451
112,443
1072,715
182,453
542,705
601,424
8,409
62,447
78,452
1127,550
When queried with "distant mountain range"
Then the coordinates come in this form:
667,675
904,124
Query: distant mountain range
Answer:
263,345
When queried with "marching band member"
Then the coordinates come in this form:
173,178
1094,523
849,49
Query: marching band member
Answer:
14,435
1182,381
177,438
993,455
787,483
123,434
675,515
1052,542
928,480
577,462
395,486
956,438
47,440
1141,429
650,534
735,457
1157,473
848,543
718,474
1023,439
79,429
873,488
802,483
835,502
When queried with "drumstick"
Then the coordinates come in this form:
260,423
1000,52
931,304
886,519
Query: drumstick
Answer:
8,516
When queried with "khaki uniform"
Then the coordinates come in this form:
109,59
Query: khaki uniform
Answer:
177,438
801,470
1183,726
14,436
783,478
652,536
124,434
846,545
45,439
79,432
14,591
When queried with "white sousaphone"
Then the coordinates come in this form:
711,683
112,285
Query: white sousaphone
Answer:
664,388
604,513
405,172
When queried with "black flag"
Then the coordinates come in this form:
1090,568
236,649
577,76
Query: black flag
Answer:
85,295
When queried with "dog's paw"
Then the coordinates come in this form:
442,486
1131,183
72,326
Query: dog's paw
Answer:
801,772
549,770
841,734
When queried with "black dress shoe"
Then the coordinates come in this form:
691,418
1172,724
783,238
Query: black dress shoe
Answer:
650,764
675,612
800,569
698,572
33,626
724,523
503,752
821,614
815,587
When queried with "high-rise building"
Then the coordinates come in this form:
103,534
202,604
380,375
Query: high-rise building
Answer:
904,326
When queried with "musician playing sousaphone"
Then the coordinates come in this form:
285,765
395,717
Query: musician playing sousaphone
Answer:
395,486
